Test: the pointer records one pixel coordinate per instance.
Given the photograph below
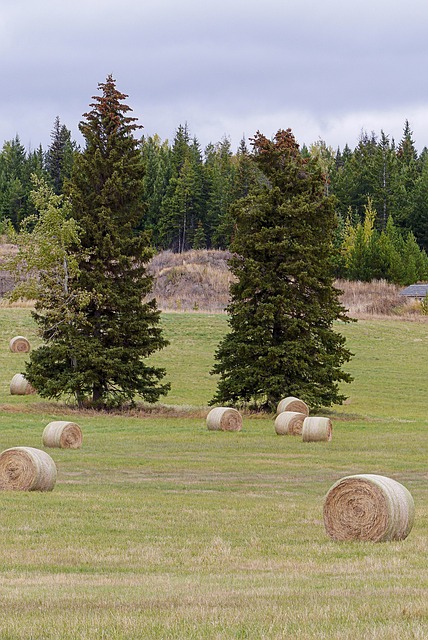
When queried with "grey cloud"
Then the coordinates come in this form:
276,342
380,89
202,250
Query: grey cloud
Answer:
222,63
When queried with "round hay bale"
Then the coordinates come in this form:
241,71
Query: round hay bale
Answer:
27,469
19,386
289,423
224,419
292,404
62,434
317,430
19,344
368,507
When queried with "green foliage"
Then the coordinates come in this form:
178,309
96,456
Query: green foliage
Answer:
183,187
199,239
424,305
182,206
99,356
60,155
418,217
156,158
220,177
16,168
392,254
44,264
283,303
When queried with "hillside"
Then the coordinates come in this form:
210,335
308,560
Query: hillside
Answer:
199,281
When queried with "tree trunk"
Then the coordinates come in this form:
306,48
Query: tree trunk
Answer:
97,394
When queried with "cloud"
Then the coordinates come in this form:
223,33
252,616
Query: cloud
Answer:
326,69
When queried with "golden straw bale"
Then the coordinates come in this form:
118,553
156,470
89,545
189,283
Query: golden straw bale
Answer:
368,507
27,469
317,430
292,404
19,386
289,423
62,434
224,419
19,344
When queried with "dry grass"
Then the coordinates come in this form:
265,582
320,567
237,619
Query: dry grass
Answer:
199,281
192,281
377,299
159,528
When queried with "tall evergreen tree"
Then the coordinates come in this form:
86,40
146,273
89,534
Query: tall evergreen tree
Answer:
418,217
283,302
384,192
60,155
182,207
409,171
100,356
156,157
220,180
13,188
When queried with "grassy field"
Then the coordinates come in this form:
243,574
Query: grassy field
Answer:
160,529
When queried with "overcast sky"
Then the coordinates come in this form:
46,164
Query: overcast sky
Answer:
327,69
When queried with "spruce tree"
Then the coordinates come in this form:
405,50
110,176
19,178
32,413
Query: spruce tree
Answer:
283,303
100,355
220,172
60,155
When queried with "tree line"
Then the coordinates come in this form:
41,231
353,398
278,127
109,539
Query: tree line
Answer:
380,192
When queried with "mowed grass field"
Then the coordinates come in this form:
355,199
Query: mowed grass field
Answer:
158,528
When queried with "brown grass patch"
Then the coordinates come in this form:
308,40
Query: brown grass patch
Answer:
199,280
191,281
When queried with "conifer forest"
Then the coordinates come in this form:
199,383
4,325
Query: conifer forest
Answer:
380,189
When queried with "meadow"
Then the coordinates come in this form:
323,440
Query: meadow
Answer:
158,528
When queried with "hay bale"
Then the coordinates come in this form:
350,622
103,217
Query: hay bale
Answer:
368,507
19,344
27,469
224,419
317,430
62,434
19,386
289,423
292,404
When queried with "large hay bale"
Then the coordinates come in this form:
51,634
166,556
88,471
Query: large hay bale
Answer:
289,423
224,419
368,507
19,344
19,386
62,434
317,430
292,404
27,469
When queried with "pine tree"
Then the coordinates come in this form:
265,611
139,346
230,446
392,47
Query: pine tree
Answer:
220,182
418,218
13,188
60,155
199,239
283,302
182,206
409,169
99,356
156,157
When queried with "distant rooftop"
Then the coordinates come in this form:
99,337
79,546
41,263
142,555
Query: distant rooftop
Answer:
419,290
